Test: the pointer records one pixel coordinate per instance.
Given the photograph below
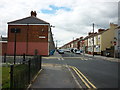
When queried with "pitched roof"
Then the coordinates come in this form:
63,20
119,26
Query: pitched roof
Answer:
4,38
94,34
29,20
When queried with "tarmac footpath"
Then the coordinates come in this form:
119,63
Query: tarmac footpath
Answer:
60,76
55,76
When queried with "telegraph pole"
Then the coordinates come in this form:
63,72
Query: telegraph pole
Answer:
73,42
15,46
93,39
56,44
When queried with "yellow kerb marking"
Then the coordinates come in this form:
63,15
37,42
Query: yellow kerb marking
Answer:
86,79
81,78
81,75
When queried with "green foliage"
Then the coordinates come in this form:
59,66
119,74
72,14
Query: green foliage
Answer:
5,77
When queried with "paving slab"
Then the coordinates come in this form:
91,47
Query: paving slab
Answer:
54,76
105,58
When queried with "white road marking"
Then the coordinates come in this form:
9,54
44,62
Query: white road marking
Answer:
58,58
62,58
84,59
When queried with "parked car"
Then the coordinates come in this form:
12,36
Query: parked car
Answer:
107,54
78,52
67,50
60,51
73,50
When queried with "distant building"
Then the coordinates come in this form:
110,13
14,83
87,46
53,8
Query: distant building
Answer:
117,42
33,35
3,45
104,41
107,40
74,44
0,46
89,43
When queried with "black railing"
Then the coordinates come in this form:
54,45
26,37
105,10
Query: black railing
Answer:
10,59
22,74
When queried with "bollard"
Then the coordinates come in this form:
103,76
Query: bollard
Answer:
11,76
40,59
29,63
4,57
23,58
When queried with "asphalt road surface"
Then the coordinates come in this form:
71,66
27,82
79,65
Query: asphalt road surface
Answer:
102,73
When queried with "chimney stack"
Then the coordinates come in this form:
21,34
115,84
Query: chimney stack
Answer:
33,13
81,37
89,33
100,30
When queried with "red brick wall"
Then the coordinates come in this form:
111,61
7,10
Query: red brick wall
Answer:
4,48
34,42
21,48
34,31
41,47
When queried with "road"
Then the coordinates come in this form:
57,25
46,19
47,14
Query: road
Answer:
102,73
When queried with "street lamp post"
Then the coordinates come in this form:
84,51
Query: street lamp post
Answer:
15,31
56,44
114,44
15,47
27,39
93,39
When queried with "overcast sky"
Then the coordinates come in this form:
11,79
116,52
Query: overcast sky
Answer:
71,18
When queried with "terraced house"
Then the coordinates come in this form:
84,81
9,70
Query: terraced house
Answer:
3,45
104,41
107,39
97,42
32,35
117,42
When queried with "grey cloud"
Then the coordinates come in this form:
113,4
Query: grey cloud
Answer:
74,23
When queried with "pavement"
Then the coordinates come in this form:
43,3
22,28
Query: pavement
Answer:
59,76
104,57
55,76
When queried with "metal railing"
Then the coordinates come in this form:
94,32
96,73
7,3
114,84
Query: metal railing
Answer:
22,74
10,59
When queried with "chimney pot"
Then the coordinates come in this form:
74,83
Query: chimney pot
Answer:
33,13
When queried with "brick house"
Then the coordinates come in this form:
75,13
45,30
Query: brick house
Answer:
117,40
3,45
32,35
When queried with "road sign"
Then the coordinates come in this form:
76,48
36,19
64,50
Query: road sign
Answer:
114,43
42,37
15,30
83,41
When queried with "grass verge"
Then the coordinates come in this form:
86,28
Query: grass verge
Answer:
5,77
18,69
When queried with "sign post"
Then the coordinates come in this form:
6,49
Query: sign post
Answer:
114,44
15,31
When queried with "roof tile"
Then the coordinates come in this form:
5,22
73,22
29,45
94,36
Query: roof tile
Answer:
29,20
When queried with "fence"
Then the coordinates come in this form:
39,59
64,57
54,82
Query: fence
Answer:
22,74
10,59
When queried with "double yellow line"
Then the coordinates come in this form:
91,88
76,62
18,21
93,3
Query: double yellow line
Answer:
83,78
